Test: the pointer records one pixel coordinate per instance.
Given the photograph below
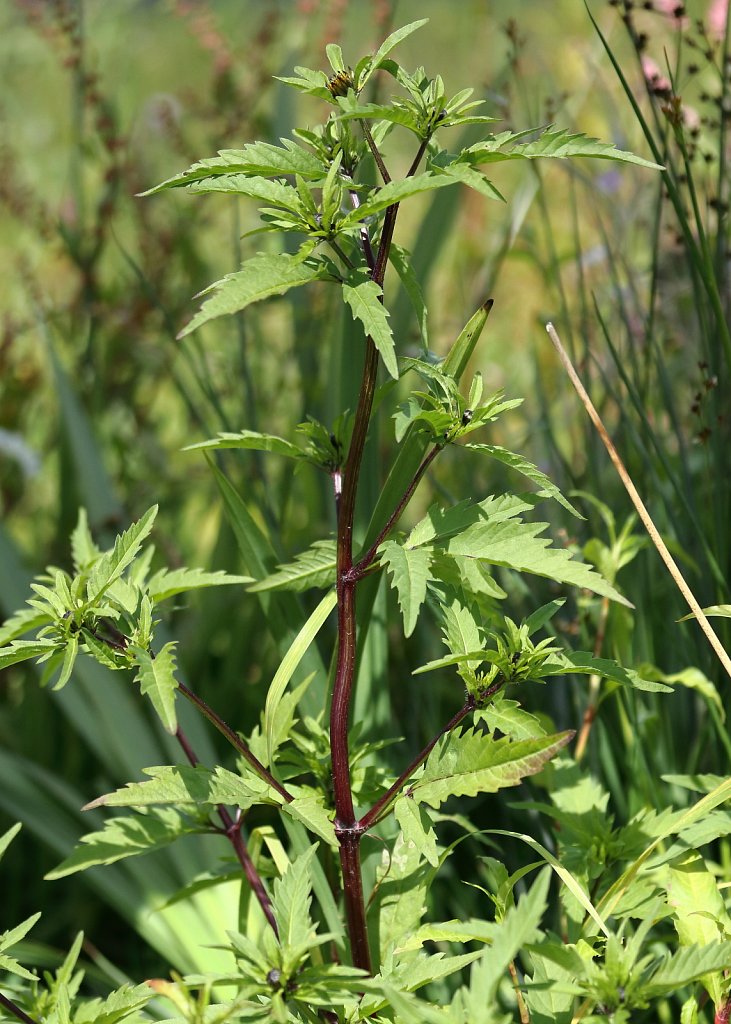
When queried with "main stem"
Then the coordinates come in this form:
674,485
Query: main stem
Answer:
347,828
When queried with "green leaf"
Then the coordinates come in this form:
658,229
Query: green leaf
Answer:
22,650
259,278
584,663
314,567
693,679
519,927
83,548
7,837
291,905
258,158
291,660
275,192
413,447
409,570
393,40
509,718
69,660
518,545
126,837
251,440
156,676
22,621
440,524
115,1007
401,262
417,828
722,610
184,784
465,763
522,465
686,965
308,807
701,918
395,192
557,143
113,563
366,305
166,583
401,893
466,175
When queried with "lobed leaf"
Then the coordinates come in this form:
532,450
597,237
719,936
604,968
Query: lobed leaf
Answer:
166,583
529,470
257,158
184,784
465,763
395,192
126,837
366,304
314,567
409,571
22,650
112,564
260,277
156,676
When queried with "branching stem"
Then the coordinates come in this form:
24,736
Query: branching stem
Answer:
232,830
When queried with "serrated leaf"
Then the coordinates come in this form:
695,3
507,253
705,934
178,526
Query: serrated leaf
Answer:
167,583
394,38
126,837
395,192
440,524
687,965
260,277
557,143
409,571
466,175
23,650
465,763
13,936
417,828
275,192
69,660
401,894
12,966
291,904
118,1005
701,918
112,564
365,301
584,663
522,465
257,158
519,926
251,440
22,621
314,567
309,808
156,676
184,784
517,545
509,718
83,548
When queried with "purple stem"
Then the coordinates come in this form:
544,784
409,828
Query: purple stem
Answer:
15,1010
235,741
232,831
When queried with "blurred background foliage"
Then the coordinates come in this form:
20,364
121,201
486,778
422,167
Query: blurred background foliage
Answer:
101,101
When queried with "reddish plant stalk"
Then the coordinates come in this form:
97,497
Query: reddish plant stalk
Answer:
232,831
15,1010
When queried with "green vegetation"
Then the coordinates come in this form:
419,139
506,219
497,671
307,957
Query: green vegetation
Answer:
331,785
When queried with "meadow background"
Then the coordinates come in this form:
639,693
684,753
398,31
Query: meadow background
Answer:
101,100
